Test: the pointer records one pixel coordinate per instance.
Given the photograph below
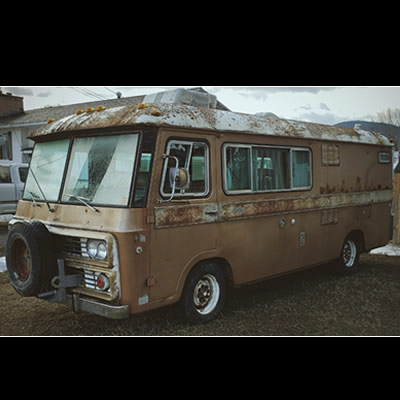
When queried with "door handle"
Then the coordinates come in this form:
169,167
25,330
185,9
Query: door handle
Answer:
211,212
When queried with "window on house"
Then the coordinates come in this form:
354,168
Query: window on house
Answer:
266,169
194,157
5,146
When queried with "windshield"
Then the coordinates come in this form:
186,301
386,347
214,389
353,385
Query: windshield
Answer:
99,170
46,171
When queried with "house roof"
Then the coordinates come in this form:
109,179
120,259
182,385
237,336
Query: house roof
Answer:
40,116
184,116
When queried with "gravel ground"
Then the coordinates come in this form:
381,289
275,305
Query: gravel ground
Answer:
318,301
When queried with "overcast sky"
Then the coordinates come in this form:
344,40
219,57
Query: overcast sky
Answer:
326,105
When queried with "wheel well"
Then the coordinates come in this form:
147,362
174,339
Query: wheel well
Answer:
358,237
224,265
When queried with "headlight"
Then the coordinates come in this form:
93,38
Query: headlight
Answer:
97,249
92,248
102,251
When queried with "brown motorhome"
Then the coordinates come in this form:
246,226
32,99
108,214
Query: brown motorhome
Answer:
133,208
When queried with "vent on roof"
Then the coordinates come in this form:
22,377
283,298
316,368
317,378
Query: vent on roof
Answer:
266,115
183,96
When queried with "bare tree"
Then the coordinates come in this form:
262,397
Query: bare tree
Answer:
388,116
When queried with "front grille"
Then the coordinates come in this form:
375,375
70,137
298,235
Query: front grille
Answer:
75,247
77,260
74,252
90,279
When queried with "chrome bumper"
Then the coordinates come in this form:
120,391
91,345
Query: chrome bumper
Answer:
105,310
61,282
80,304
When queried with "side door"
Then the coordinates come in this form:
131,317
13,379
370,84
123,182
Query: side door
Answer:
183,231
262,230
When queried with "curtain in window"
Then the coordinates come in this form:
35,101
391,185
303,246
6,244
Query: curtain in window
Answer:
301,169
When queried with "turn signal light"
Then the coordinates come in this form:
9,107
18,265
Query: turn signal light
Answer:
103,282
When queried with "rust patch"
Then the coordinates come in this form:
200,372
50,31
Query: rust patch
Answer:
231,211
182,116
185,215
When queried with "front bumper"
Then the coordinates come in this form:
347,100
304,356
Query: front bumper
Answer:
80,304
105,310
62,282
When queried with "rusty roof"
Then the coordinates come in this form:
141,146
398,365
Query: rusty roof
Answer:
184,116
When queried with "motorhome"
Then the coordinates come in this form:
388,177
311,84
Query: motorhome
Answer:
133,208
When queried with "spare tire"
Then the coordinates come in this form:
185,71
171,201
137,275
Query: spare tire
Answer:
31,258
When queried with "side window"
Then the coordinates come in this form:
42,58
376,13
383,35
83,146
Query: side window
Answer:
194,157
271,169
238,168
5,176
265,169
144,172
301,168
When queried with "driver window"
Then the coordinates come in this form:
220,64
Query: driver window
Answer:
192,156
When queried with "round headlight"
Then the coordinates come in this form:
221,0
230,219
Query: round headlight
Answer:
92,248
102,251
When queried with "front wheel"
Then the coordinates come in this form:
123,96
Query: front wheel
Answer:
203,296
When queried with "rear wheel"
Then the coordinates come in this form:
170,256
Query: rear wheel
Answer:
203,296
350,255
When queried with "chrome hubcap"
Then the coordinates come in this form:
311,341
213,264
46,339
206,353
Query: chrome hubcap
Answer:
206,294
349,253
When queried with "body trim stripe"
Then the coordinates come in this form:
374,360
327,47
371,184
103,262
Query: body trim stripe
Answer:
193,214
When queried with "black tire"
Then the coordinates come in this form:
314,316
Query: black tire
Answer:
348,262
203,296
30,257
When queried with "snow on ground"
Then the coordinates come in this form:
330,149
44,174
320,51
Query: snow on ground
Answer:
389,250
3,267
4,219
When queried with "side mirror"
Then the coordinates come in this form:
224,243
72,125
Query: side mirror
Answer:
179,177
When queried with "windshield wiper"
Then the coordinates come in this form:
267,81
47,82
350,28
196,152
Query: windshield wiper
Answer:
41,191
84,201
33,195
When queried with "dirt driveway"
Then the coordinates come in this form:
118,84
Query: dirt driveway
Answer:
313,302
3,236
